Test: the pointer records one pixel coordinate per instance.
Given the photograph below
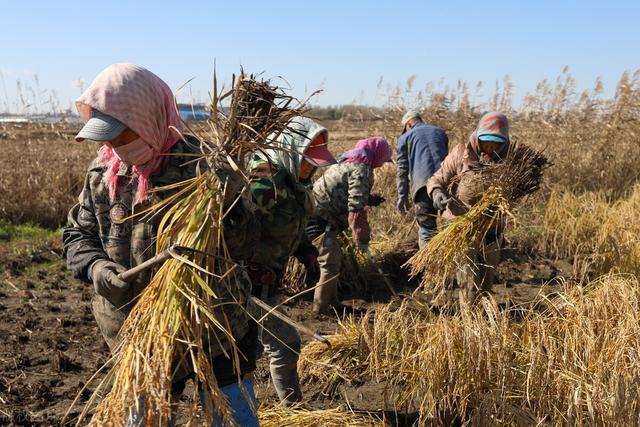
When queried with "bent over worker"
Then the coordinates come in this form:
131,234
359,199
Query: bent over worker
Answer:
420,151
341,194
451,191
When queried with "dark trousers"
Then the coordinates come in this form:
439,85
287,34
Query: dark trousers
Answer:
425,215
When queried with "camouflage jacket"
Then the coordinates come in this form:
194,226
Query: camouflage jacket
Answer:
343,188
92,231
282,207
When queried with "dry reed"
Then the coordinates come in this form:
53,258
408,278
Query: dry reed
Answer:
598,234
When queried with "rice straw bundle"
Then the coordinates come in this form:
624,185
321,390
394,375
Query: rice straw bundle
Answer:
184,317
501,185
344,361
279,416
293,278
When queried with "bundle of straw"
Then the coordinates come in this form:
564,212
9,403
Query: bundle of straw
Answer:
502,185
345,361
293,278
279,416
187,314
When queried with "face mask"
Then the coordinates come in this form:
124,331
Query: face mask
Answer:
135,153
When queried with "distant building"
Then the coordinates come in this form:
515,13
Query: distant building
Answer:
194,113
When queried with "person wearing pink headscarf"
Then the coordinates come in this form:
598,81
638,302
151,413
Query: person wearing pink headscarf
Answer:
131,112
342,194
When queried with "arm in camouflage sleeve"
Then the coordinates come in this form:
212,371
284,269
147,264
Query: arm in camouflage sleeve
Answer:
82,245
360,183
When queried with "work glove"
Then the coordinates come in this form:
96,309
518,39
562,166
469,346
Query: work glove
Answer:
403,204
375,200
307,254
440,199
312,267
231,176
104,274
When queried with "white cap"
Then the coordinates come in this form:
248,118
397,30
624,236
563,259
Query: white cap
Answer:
411,114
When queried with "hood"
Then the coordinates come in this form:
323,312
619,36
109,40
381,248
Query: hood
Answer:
290,145
494,124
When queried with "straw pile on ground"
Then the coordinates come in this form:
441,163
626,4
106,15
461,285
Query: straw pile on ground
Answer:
345,361
181,318
573,359
502,186
279,416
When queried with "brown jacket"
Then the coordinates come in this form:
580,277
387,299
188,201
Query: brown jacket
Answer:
453,177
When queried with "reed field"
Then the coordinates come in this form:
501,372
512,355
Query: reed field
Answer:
557,343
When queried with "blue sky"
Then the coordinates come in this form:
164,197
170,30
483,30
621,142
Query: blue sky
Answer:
342,47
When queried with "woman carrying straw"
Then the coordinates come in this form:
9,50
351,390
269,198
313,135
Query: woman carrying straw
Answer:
129,110
341,194
454,192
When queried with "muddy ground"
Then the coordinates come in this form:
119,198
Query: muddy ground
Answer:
51,346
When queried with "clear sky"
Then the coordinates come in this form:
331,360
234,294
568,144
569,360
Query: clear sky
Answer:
343,47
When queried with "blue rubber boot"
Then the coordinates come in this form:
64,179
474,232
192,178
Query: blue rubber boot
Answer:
243,410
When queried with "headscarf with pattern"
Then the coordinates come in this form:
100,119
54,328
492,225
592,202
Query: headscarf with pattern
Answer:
145,103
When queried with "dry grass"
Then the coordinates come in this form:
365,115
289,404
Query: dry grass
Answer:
278,416
598,234
570,359
344,361
41,172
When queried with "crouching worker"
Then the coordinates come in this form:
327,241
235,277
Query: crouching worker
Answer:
341,194
488,143
279,186
129,110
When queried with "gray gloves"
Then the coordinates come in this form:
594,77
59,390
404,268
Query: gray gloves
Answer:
440,199
104,274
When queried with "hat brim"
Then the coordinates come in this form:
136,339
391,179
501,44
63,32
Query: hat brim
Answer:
319,156
100,127
493,138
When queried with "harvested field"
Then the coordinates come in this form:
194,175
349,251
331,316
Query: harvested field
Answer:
555,345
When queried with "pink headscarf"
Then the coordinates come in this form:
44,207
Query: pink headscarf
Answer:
374,151
142,101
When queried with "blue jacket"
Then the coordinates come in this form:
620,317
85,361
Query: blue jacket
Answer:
419,154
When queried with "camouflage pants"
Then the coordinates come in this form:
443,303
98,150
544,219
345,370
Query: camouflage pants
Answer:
477,275
110,315
330,260
281,343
